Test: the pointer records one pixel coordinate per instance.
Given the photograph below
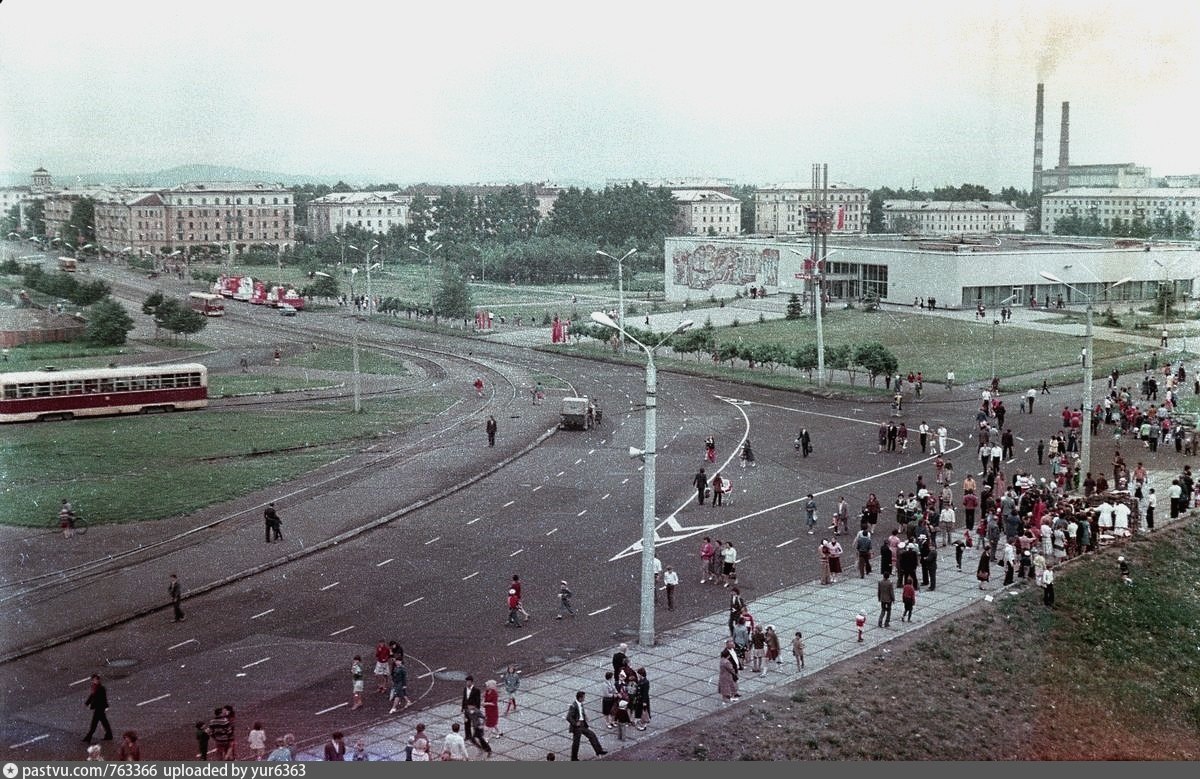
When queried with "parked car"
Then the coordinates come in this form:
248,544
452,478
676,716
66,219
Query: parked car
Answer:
287,309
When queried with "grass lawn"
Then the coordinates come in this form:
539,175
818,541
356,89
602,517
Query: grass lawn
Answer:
340,358
1111,673
230,384
135,468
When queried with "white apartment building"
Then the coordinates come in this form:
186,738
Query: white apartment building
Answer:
779,209
1124,175
21,196
953,217
375,212
1125,204
705,212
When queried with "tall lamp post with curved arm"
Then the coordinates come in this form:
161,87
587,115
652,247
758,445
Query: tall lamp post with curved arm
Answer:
1085,442
648,455
620,289
429,274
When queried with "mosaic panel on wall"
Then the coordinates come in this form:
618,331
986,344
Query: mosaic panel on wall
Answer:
708,265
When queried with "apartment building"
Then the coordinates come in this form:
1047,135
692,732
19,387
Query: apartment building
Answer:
780,209
953,217
1107,204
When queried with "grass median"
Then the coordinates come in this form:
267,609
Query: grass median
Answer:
120,469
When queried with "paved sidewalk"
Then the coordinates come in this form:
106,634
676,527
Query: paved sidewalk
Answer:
682,667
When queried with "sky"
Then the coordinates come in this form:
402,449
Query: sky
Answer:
896,94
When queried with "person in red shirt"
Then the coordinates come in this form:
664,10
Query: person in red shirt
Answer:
706,557
516,585
479,387
383,671
514,608
909,597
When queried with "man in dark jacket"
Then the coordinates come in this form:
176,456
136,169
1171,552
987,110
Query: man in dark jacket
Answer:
700,482
887,596
863,545
97,701
273,523
908,562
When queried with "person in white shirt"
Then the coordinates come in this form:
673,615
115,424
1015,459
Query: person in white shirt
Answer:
671,580
455,745
1121,523
1104,515
658,578
729,560
941,439
1151,504
1048,587
923,434
1030,394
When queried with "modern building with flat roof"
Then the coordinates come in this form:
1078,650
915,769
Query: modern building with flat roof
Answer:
957,273
953,217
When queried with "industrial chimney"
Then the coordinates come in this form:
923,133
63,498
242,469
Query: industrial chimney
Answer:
1037,141
1064,143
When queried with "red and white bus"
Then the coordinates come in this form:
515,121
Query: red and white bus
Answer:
207,303
27,396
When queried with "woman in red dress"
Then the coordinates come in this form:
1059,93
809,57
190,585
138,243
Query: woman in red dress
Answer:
491,707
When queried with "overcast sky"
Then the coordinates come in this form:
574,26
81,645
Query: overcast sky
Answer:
457,92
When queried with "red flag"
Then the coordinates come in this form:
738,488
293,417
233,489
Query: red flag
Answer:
841,218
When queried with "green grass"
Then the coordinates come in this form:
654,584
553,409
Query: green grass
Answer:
341,358
231,384
160,465
74,354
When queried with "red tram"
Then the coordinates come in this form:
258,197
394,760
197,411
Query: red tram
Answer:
27,396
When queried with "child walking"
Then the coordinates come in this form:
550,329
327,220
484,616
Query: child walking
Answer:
909,597
798,650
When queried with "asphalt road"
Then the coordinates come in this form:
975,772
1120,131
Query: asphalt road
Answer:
278,645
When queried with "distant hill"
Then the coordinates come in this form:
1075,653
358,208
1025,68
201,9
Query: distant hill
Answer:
170,177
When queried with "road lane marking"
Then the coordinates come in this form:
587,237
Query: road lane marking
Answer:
27,742
256,662
343,630
552,532
176,646
535,489
332,708
606,496
599,611
514,554
473,521
625,480
435,538
385,562
519,640
560,473
591,451
262,613
580,514
88,678
330,586
577,462
470,576
785,543
415,600
152,700
431,673
506,505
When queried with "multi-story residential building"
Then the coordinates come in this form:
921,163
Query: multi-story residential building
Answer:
1107,204
953,217
705,212
1123,175
375,212
21,196
724,186
1189,180
208,215
779,209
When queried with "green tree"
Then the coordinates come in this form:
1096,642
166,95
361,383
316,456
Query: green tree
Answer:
876,360
183,320
35,217
804,359
453,297
745,193
420,219
150,307
11,221
79,229
1184,226
323,286
795,309
108,323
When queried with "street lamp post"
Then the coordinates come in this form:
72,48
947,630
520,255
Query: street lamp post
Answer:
429,275
620,289
1085,442
646,626
820,304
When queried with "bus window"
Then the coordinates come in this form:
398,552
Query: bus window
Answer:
153,382
91,386
42,389
137,383
74,387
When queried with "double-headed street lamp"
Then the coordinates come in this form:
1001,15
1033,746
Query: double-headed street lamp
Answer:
1085,443
369,267
620,289
429,274
646,628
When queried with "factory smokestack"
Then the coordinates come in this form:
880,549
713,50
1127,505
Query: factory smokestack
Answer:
1064,147
1037,140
